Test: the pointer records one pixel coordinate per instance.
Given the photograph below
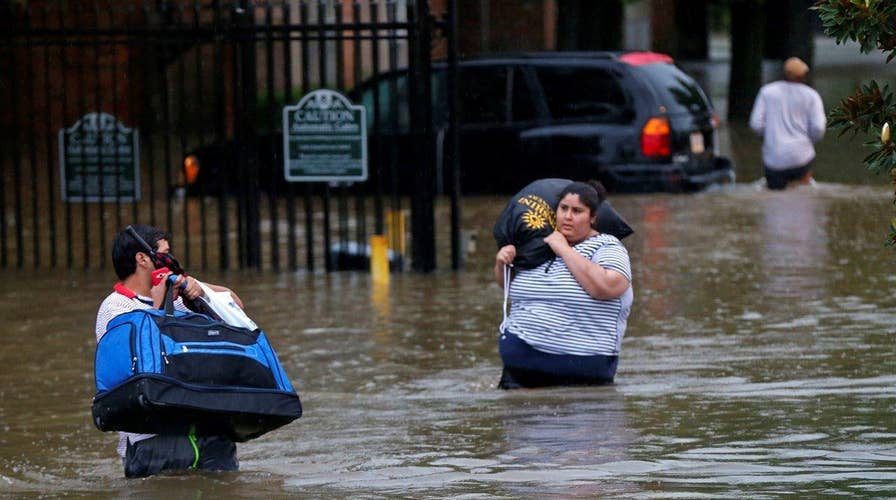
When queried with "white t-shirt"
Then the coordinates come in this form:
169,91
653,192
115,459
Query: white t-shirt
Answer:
551,311
790,118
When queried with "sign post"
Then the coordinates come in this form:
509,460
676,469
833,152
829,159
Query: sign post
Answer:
324,139
99,160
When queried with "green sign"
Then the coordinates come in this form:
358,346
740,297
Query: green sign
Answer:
99,160
324,139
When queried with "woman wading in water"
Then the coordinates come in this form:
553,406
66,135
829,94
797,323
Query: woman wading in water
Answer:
568,315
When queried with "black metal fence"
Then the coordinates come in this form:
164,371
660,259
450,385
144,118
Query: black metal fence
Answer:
108,105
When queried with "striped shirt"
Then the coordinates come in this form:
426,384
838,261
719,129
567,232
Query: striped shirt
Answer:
552,313
115,304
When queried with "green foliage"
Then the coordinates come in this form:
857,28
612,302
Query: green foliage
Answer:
871,109
868,22
866,111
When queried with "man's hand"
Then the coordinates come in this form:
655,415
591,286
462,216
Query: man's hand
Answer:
189,287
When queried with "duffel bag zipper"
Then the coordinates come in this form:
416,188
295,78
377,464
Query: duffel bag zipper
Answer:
162,352
209,347
235,329
133,341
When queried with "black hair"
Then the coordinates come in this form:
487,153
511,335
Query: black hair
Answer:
125,247
591,194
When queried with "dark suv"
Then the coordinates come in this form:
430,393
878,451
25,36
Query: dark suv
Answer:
633,120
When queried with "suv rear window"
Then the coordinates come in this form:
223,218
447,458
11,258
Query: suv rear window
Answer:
678,92
584,92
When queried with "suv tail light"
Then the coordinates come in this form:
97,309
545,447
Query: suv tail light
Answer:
191,169
655,138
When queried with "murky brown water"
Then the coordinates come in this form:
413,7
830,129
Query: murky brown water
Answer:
759,362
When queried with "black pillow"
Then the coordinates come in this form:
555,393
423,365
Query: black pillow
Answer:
529,217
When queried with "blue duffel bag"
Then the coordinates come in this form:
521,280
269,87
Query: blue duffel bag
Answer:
166,371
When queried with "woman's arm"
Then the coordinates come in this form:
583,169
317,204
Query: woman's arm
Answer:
598,281
504,257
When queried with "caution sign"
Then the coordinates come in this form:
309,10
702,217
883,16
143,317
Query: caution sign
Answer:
324,139
99,160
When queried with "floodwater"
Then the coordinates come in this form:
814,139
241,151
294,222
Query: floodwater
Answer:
759,362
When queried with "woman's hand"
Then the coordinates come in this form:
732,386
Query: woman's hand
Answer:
505,255
503,258
557,242
597,281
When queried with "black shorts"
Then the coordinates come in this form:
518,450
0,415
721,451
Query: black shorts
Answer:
179,452
778,179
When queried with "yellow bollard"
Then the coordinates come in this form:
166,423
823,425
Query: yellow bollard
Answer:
379,259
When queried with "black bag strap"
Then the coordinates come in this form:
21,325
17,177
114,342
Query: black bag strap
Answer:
168,304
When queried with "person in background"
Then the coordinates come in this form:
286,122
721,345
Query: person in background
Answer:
149,454
789,116
569,314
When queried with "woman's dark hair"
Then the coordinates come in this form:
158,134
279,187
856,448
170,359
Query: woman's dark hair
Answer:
591,193
125,247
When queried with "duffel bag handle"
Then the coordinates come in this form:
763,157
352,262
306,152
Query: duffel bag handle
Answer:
169,293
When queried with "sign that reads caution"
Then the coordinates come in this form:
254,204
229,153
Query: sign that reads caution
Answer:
99,160
324,139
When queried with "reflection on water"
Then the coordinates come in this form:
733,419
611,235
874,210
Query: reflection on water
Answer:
657,236
794,240
576,433
758,363
566,441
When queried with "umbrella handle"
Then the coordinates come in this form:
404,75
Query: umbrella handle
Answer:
173,278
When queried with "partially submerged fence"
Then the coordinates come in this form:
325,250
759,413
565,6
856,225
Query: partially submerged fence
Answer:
110,106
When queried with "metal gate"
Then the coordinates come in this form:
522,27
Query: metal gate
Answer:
110,107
